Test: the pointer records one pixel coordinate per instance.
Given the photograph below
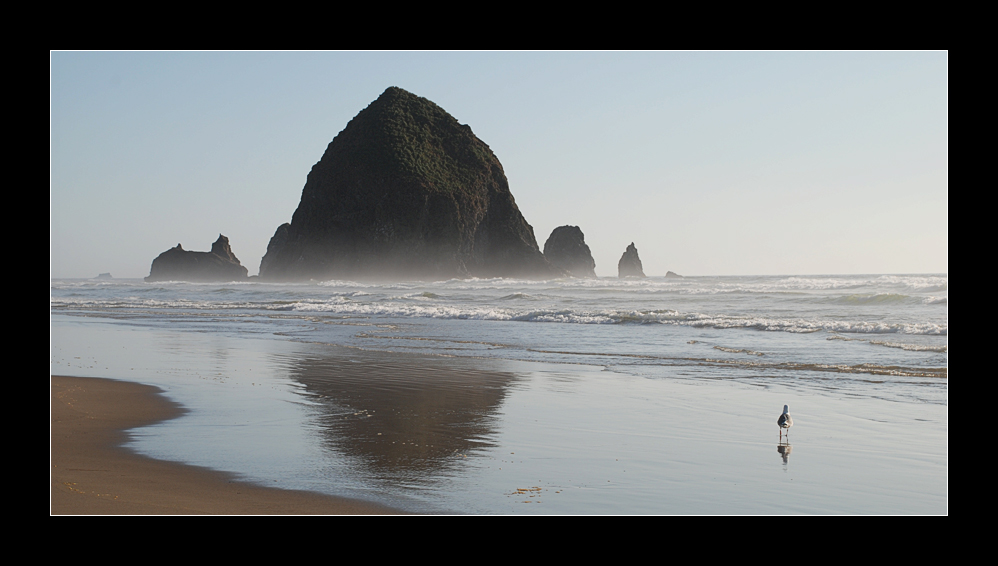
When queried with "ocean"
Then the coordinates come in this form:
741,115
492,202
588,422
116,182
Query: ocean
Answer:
569,396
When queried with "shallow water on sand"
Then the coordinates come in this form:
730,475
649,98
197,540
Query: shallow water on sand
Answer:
494,435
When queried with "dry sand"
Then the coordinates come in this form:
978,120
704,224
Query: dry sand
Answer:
93,475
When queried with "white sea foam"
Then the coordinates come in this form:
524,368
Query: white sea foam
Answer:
912,347
849,310
427,307
651,326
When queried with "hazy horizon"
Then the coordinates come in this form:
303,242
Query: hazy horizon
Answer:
712,163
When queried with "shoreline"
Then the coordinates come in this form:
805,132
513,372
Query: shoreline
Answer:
92,474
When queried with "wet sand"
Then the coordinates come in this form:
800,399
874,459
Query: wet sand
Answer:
465,435
92,474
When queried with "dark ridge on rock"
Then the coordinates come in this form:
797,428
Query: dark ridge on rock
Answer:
566,249
178,264
405,192
630,264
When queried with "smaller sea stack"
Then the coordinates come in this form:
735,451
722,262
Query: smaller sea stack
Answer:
630,264
566,249
178,264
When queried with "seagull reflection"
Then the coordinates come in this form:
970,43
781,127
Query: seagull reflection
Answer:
785,450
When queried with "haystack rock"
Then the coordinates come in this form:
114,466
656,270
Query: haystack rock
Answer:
630,264
178,264
405,192
671,275
566,249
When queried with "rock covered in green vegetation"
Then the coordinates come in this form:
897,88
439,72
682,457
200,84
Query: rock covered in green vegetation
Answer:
405,192
178,264
630,264
566,249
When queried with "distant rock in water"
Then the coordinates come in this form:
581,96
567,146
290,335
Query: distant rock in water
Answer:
104,276
566,249
670,275
178,264
630,264
405,192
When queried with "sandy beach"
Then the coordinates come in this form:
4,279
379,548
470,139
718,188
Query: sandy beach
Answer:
92,475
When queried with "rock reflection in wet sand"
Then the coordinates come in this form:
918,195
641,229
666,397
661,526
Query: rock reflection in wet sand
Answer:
404,417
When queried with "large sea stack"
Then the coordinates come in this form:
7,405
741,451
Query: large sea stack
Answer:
178,264
630,264
566,249
405,192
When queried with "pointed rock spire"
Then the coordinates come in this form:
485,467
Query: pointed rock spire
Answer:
630,264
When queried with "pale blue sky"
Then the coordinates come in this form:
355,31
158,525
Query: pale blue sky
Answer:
712,163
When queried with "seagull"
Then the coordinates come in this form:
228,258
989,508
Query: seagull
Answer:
785,421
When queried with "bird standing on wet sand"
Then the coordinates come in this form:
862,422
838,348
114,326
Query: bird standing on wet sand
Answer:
785,421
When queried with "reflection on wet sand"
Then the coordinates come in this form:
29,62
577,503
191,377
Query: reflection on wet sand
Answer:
403,417
785,450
